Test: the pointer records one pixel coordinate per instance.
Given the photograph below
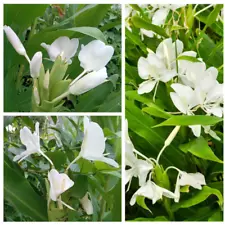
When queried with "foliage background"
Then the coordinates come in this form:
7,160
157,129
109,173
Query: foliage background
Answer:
35,24
203,34
61,137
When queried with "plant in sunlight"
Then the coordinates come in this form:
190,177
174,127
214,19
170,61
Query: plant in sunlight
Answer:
174,111
67,63
68,169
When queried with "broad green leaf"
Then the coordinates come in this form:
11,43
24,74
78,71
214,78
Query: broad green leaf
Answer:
58,158
199,147
91,15
190,120
199,197
91,100
80,187
90,31
112,103
217,216
14,14
141,202
21,195
141,23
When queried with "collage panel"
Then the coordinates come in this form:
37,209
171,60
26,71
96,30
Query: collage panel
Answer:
62,168
174,112
62,58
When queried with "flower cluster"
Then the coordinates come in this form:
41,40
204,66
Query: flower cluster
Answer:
93,58
195,86
92,148
145,170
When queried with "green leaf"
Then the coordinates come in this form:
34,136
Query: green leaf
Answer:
214,14
90,31
141,202
80,187
201,196
158,218
21,195
91,15
199,147
217,216
140,23
58,158
190,120
156,111
59,88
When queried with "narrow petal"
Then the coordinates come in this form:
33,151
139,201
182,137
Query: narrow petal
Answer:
143,68
196,129
159,16
93,144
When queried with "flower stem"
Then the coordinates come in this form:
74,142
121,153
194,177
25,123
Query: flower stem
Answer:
168,141
78,77
78,157
42,153
172,167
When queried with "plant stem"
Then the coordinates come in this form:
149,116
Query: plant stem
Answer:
202,10
78,157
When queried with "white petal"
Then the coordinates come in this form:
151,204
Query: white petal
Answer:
128,175
177,189
192,179
109,161
159,16
87,204
147,33
143,168
168,75
196,129
35,65
146,87
88,82
95,55
177,101
179,45
143,68
14,40
93,144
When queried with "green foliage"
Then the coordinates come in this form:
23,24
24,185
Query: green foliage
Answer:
26,185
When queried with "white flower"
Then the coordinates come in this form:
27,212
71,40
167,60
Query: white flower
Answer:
196,180
14,40
159,66
95,55
31,141
62,46
88,82
35,64
151,191
87,204
93,145
184,99
59,183
139,168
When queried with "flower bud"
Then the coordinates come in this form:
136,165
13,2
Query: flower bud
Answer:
35,65
172,136
14,40
88,82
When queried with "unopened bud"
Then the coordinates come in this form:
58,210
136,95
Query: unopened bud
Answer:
35,65
172,136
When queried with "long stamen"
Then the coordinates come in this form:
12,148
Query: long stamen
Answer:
78,77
